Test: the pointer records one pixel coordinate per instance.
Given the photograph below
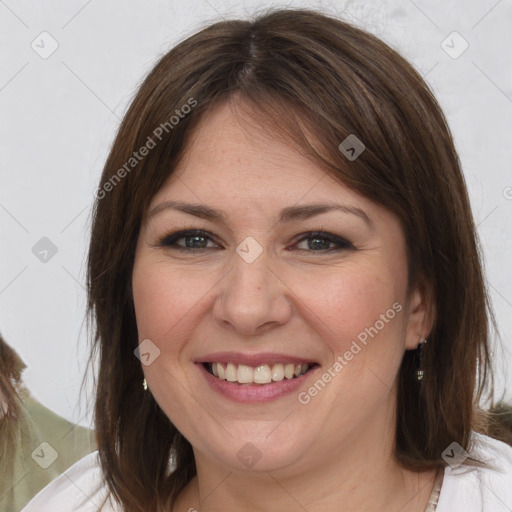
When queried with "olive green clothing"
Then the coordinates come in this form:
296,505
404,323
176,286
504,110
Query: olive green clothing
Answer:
43,445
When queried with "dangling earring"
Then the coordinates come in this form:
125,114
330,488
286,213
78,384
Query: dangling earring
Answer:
144,384
420,374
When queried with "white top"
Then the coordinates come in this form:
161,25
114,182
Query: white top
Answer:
464,489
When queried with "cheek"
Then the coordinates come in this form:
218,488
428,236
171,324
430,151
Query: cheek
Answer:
164,297
349,300
358,313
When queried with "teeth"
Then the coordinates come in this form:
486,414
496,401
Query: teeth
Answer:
244,374
289,370
263,374
277,372
231,373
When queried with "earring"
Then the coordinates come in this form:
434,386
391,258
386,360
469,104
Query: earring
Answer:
420,374
144,384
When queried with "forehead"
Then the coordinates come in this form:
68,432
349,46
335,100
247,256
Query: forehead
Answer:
229,155
239,169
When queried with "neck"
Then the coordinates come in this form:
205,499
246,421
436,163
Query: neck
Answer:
358,474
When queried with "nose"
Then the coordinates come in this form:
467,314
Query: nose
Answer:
253,298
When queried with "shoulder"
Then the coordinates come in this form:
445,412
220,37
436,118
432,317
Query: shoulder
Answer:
81,488
468,489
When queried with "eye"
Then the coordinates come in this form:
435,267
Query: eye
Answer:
319,241
195,240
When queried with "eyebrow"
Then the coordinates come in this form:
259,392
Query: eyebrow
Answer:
288,214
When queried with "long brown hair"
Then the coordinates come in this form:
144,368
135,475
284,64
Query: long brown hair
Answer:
11,368
297,68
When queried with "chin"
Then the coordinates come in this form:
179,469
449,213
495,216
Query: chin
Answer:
257,453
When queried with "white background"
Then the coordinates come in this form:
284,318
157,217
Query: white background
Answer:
59,116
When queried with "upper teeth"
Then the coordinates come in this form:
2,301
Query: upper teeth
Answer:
263,374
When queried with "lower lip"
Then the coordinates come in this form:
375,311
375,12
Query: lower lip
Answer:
257,392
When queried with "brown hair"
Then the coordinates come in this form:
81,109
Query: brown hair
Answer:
11,368
297,68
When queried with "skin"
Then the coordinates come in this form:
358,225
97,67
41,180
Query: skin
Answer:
293,299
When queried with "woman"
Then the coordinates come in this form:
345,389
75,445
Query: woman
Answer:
36,445
285,279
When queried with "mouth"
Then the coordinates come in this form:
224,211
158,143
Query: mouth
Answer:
260,375
251,378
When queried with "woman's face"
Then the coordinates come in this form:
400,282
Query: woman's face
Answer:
257,295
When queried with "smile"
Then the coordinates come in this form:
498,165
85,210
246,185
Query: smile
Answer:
257,382
261,374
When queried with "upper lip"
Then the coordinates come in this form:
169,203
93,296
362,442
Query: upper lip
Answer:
252,359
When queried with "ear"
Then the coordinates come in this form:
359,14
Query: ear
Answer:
421,315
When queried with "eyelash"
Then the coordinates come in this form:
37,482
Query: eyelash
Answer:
169,241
